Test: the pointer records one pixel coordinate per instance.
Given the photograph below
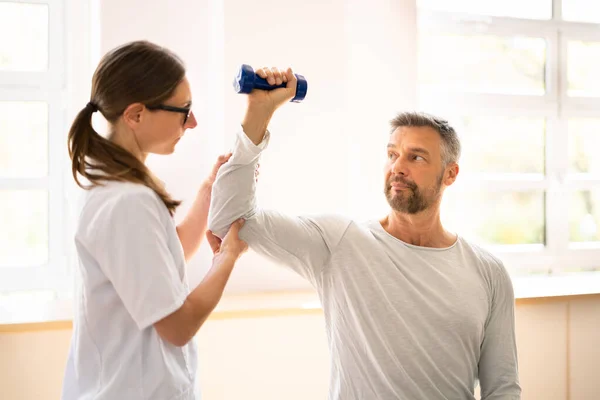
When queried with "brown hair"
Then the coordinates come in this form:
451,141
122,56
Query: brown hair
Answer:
450,141
137,72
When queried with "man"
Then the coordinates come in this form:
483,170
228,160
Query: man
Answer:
412,311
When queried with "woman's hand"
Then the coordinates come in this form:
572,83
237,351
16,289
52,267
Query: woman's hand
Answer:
263,103
231,245
271,100
222,159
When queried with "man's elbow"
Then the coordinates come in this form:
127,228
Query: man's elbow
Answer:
218,229
219,224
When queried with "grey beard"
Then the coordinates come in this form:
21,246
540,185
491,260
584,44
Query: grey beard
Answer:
412,200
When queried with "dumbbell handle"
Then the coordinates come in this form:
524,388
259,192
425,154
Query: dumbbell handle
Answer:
247,80
262,84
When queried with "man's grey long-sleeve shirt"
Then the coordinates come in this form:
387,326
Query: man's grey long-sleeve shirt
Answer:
403,321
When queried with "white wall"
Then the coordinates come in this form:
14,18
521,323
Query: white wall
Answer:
359,60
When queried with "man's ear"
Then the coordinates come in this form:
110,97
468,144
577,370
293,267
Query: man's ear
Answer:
451,173
133,114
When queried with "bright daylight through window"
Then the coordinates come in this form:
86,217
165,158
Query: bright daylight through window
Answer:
32,239
518,80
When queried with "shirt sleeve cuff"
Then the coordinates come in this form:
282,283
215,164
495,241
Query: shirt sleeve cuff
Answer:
249,145
163,312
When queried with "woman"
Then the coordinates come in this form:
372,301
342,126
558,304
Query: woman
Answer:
135,316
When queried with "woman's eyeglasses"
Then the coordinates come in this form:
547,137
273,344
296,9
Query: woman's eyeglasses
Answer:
186,110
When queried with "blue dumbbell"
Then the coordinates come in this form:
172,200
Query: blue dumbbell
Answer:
246,80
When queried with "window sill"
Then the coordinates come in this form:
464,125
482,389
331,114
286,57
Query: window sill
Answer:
57,315
544,286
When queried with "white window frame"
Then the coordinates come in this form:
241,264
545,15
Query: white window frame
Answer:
555,106
50,87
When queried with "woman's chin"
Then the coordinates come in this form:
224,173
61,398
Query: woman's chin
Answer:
165,148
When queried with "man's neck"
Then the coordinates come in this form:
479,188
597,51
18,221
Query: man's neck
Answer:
422,229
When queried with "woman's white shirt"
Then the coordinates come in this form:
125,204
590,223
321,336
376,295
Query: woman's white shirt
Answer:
132,273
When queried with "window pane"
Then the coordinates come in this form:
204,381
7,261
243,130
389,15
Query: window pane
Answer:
533,9
24,222
581,10
584,142
583,63
23,139
584,216
499,218
488,145
24,33
486,64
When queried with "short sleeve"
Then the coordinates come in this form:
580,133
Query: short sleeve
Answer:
131,246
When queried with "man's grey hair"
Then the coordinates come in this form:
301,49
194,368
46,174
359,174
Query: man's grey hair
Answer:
451,143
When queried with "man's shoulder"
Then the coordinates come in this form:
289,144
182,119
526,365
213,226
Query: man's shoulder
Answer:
335,223
479,251
348,225
483,257
491,268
